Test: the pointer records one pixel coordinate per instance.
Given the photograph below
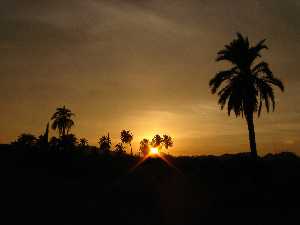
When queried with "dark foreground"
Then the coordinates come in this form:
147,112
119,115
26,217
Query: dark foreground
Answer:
85,188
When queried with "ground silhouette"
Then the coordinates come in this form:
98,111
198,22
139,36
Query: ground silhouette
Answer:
80,187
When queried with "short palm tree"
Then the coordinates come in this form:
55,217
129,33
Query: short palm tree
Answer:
247,84
105,143
119,148
83,142
157,141
167,141
62,120
145,146
126,138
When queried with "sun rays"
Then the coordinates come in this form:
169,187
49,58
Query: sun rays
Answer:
154,153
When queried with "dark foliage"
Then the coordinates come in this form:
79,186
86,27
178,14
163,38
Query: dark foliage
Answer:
247,84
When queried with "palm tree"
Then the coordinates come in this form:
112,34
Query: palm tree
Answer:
83,142
105,143
126,138
119,148
167,141
157,141
144,146
246,85
62,120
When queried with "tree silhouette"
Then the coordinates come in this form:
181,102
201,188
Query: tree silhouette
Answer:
25,141
62,120
83,142
46,134
126,138
43,140
145,146
119,149
246,85
68,141
167,141
105,143
54,143
157,141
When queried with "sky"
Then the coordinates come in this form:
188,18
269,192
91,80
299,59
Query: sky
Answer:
144,66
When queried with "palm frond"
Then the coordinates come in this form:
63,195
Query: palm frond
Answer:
224,95
275,81
220,77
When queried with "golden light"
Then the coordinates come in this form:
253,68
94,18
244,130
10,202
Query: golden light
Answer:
154,151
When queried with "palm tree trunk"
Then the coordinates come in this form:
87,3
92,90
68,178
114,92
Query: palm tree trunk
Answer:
131,150
251,130
64,131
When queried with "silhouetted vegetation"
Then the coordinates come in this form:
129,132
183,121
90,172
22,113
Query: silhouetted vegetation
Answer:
25,142
83,143
80,187
157,141
105,144
126,138
167,141
62,120
120,149
144,146
246,85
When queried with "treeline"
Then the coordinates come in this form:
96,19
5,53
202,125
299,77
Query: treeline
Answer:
62,122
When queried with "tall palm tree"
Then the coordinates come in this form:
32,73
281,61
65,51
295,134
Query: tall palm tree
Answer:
247,84
62,120
126,138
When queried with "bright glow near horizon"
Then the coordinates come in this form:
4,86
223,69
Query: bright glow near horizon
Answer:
154,151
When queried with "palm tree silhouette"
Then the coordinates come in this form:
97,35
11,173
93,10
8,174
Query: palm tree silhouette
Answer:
83,142
157,141
246,85
144,146
105,143
119,148
126,138
62,120
167,141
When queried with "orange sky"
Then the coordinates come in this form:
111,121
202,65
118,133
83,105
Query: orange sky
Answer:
144,66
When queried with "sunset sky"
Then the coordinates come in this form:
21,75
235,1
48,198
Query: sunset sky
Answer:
144,66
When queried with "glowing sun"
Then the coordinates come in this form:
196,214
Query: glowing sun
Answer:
154,151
